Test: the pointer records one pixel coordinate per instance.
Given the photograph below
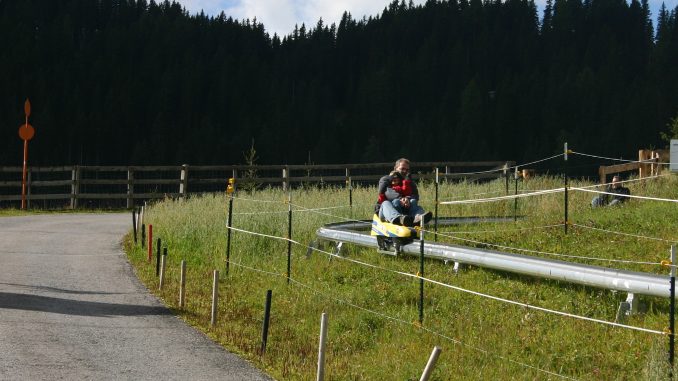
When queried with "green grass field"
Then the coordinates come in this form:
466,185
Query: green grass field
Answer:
373,311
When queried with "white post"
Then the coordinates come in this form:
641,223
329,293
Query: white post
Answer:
182,285
162,271
139,220
321,349
215,297
431,364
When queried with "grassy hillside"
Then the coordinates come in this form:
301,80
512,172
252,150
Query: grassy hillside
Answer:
373,312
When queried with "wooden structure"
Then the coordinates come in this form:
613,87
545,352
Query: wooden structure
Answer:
126,186
648,164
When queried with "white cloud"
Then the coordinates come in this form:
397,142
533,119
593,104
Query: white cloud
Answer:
280,16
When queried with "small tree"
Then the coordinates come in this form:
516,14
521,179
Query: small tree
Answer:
251,158
672,132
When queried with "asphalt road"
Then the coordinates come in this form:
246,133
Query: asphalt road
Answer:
71,308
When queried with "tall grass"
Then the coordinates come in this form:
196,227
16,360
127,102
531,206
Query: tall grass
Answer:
373,312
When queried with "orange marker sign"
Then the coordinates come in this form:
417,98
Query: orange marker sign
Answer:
26,133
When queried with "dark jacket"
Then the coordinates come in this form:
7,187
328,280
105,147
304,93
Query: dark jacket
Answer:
620,194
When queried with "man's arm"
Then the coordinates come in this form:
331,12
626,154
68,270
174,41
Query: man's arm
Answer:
384,182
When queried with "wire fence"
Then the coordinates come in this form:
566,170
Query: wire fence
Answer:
326,211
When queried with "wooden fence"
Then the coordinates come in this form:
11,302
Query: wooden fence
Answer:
126,186
648,164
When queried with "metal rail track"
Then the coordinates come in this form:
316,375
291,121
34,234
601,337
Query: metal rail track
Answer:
632,282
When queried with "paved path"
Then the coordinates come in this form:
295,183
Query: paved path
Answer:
71,308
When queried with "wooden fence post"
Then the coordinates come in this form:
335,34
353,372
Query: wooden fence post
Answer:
75,186
602,174
645,168
183,185
130,187
286,177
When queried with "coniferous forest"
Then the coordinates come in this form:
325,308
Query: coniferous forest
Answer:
118,82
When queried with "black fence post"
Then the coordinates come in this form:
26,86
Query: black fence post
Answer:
421,274
267,316
157,258
672,311
228,233
143,235
515,200
565,176
435,222
289,237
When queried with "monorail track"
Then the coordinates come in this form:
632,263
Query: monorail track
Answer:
595,276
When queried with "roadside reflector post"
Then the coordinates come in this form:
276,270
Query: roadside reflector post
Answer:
162,272
134,224
182,285
321,348
215,297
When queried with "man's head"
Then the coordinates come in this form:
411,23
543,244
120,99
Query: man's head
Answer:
402,165
616,181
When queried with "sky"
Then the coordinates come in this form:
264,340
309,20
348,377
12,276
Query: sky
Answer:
280,16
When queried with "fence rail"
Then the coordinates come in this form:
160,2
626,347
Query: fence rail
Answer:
648,164
77,186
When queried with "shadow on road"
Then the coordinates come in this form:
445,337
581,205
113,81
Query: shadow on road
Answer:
16,301
62,290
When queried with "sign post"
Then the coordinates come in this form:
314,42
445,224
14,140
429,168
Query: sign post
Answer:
26,133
